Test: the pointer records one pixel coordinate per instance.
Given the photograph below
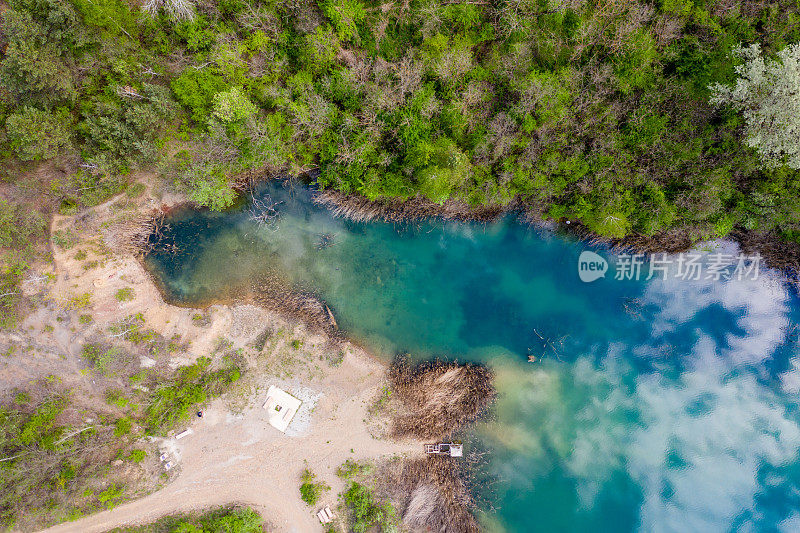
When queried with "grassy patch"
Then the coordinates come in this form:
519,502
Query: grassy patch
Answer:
172,400
366,511
124,294
223,520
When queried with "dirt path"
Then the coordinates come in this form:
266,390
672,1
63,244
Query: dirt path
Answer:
234,458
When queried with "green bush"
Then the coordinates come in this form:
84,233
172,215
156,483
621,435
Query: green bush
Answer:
33,68
122,426
233,106
137,456
227,520
195,89
345,15
366,512
124,294
310,492
172,401
120,132
209,187
37,135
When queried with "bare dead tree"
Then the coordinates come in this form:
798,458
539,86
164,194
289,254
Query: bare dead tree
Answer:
263,211
325,240
548,345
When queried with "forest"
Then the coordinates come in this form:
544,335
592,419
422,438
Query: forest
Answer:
631,117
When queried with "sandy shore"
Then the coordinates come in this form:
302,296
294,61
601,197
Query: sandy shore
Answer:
239,458
233,456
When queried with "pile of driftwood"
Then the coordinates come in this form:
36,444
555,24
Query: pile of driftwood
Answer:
138,234
673,241
359,209
430,494
276,294
438,397
776,251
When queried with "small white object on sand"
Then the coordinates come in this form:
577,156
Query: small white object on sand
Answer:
325,515
281,407
184,434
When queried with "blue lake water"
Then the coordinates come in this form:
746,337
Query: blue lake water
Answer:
661,405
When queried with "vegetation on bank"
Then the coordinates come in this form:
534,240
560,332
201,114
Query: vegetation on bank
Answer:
227,519
64,455
627,116
365,510
57,460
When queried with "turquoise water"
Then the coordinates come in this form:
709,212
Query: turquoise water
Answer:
662,405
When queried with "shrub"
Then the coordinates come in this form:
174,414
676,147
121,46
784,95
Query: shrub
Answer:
345,15
196,32
351,469
195,89
310,491
366,512
191,385
227,520
137,456
209,187
33,69
122,426
124,294
37,135
121,131
79,301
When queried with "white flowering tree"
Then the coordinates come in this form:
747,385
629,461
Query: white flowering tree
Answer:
768,95
175,9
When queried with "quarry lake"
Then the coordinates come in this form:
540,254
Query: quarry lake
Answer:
666,404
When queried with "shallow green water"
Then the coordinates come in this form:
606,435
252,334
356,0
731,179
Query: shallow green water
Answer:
666,405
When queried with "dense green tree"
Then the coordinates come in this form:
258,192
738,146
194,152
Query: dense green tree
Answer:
233,106
36,134
600,113
209,187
